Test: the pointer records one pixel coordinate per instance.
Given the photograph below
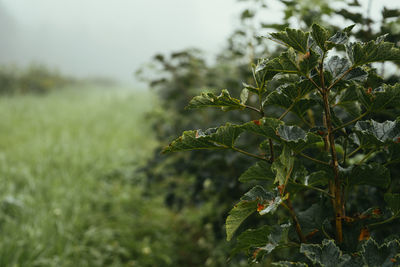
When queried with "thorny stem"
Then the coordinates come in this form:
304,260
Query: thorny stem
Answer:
288,205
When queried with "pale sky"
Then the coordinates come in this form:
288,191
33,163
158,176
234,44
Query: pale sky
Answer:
113,37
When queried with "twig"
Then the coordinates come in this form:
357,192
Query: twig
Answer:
351,122
253,108
313,159
296,222
248,153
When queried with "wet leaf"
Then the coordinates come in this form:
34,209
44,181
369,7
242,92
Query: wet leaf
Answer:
224,101
223,137
327,254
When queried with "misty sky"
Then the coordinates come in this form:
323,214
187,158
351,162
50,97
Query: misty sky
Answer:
112,37
109,37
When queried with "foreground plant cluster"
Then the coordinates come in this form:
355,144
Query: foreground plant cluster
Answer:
324,173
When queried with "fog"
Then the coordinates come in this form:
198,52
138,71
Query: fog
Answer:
104,37
115,37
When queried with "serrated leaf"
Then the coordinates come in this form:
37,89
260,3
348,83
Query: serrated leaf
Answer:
374,174
291,96
307,62
237,215
265,127
252,238
385,255
296,138
223,137
393,201
223,101
296,39
288,62
372,51
327,254
320,36
291,133
259,171
283,166
376,133
277,237
386,96
248,204
340,38
338,66
289,264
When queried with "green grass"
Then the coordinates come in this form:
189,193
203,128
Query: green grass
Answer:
68,192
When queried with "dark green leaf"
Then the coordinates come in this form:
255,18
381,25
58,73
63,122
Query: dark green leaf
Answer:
373,132
251,201
296,39
283,166
320,35
237,215
224,101
372,51
215,138
327,254
252,238
381,256
259,171
339,39
296,138
393,201
290,96
265,127
374,174
291,133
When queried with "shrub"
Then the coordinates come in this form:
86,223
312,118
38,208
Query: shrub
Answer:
324,180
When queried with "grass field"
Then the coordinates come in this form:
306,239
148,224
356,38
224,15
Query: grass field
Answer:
68,192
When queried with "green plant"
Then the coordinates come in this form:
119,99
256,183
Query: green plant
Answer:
332,172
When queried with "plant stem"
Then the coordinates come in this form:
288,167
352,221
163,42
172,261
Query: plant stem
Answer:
287,110
394,217
335,166
253,108
296,222
313,159
351,122
271,150
366,157
247,153
355,151
315,188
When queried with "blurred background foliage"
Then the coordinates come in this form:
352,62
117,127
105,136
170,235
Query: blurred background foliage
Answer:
79,187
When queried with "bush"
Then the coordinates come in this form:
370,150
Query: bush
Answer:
334,162
36,79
